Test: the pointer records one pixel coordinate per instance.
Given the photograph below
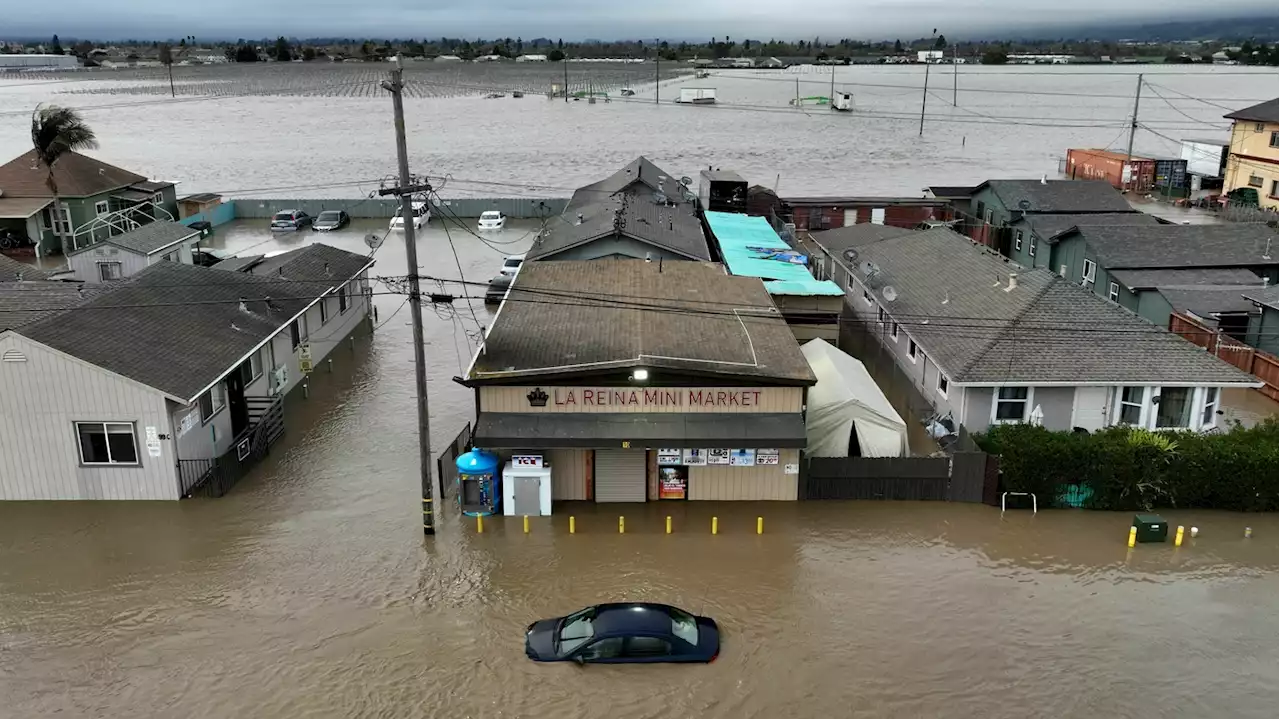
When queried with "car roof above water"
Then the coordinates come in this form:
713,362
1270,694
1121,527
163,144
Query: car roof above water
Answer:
632,617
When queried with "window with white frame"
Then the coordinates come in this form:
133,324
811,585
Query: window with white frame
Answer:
1011,403
212,402
943,384
251,369
1259,127
866,297
1090,270
157,199
298,331
881,317
912,350
59,219
324,310
1174,410
1017,240
848,281
1131,403
1062,270
1207,415
1113,292
101,208
893,330
1255,180
1031,247
109,271
107,443
342,299
991,216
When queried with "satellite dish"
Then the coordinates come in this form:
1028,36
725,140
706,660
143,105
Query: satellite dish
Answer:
688,195
686,181
850,255
1024,204
890,294
373,241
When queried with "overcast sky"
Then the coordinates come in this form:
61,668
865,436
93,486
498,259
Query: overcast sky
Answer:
577,19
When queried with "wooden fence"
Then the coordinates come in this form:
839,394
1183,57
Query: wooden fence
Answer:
1260,364
446,469
962,477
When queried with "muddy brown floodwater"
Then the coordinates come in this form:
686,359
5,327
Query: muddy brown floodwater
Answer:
310,592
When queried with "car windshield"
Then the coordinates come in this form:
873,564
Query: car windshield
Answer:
330,216
684,625
576,630
512,262
490,215
283,216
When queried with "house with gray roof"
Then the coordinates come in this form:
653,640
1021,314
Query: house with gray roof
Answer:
638,212
120,256
986,341
995,204
1264,319
167,382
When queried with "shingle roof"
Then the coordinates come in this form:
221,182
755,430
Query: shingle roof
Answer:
22,303
11,268
639,170
672,227
149,238
1170,246
1267,296
680,316
238,264
1076,196
316,262
76,175
1207,300
856,236
1262,112
176,327
952,300
1151,279
1050,226
951,191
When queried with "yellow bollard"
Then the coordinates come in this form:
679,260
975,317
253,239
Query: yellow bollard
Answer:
1133,536
479,524
622,525
571,525
715,525
759,525
1248,532
668,524
1177,538
526,524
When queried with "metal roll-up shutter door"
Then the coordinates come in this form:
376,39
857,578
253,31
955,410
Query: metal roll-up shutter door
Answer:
620,475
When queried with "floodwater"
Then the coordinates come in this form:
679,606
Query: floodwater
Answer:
320,130
309,590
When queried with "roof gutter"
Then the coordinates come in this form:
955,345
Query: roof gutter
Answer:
277,331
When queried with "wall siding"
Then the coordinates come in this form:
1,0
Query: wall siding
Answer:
42,398
570,473
611,246
514,399
745,483
1056,403
85,264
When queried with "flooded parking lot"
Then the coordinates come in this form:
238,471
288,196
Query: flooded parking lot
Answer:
309,590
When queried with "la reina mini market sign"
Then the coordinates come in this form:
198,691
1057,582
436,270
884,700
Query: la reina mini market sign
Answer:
573,397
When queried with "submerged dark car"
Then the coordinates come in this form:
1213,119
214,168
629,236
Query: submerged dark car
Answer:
331,220
639,633
497,289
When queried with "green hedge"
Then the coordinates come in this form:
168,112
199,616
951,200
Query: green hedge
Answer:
1121,468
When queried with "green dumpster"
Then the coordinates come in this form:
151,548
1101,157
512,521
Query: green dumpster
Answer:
1151,527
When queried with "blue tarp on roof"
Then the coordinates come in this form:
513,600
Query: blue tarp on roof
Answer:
751,248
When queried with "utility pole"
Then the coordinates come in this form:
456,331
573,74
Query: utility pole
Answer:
657,69
831,98
1133,129
566,80
955,74
405,192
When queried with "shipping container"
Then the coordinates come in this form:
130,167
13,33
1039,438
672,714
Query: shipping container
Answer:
1089,164
1171,174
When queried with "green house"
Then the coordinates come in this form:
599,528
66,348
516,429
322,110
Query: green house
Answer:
98,201
1264,319
996,204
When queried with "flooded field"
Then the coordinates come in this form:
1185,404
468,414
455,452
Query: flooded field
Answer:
325,130
310,591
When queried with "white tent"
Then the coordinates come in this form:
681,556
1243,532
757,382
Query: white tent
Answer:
846,399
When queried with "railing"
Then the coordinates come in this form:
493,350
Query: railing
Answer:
215,477
1250,359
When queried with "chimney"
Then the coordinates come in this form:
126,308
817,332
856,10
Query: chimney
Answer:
1013,282
1044,179
243,306
1266,281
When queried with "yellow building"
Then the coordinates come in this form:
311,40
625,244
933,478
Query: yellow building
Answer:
1252,159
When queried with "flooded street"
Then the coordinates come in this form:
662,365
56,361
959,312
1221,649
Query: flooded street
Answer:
309,591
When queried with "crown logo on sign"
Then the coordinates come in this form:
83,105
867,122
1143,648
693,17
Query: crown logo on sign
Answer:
537,398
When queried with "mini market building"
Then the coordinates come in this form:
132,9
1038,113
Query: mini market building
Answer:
637,381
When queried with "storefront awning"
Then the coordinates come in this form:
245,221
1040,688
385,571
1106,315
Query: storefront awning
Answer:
601,431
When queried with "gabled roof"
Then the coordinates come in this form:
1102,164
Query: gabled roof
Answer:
1207,300
951,191
11,268
639,170
315,262
672,227
616,313
1059,196
849,237
148,239
239,264
1052,226
76,175
22,303
952,300
1151,279
1262,112
1173,246
178,328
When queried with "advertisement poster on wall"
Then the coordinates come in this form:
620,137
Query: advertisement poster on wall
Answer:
743,458
695,457
673,482
767,456
668,457
717,456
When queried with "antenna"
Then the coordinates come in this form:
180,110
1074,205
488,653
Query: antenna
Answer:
890,294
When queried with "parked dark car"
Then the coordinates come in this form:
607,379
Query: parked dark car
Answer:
289,220
208,256
331,220
497,290
634,633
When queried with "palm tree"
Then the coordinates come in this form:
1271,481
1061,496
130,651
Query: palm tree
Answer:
56,131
